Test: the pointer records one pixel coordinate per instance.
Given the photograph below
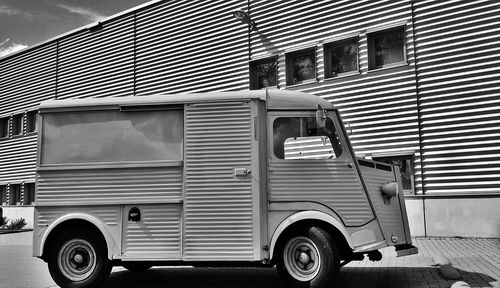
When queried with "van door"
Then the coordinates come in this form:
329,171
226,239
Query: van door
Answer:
315,165
222,207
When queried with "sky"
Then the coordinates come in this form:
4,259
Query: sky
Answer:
24,23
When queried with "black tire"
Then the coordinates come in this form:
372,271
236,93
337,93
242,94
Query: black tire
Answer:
136,266
78,258
308,258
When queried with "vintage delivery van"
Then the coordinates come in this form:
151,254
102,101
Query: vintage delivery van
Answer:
236,178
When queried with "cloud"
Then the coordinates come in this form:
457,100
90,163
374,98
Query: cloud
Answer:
10,49
88,14
9,11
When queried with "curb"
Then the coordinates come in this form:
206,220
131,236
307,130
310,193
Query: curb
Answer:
8,231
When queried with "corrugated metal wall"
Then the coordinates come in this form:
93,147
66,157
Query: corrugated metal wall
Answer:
186,46
380,106
97,63
459,86
25,80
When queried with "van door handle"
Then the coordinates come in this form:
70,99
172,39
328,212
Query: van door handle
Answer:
241,172
350,165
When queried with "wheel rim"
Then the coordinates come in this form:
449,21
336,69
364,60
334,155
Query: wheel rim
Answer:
76,259
301,258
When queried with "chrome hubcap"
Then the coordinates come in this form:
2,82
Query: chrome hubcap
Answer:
301,258
77,259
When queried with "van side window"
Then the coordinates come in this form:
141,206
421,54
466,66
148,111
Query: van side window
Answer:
300,138
112,136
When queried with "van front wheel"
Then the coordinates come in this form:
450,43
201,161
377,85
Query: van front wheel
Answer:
309,259
79,259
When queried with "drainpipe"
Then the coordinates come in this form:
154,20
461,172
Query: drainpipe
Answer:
419,115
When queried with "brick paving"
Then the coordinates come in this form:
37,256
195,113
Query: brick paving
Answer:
477,260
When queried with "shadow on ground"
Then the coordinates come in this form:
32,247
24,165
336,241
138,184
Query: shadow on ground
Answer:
353,277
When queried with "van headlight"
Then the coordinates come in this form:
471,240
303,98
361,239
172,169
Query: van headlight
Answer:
390,189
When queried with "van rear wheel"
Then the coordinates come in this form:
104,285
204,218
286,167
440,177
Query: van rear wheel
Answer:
78,259
309,258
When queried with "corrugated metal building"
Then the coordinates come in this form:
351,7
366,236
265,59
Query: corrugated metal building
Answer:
417,82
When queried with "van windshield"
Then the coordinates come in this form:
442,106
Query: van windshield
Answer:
300,138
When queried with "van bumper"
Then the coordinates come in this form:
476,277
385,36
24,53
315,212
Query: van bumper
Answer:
405,250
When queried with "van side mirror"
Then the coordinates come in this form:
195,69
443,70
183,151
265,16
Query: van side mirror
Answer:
349,129
320,117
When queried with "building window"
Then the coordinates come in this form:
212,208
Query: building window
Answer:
4,127
29,194
386,48
341,57
263,73
405,164
15,194
300,66
17,124
3,194
31,121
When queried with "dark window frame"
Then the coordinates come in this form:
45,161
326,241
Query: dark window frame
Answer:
328,47
290,72
4,127
3,194
373,36
29,193
17,124
31,123
254,74
15,195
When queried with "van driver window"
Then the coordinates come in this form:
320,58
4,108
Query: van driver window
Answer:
300,138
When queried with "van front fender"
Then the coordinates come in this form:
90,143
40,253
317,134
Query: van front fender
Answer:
308,215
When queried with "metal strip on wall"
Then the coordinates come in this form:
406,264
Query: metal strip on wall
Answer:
459,83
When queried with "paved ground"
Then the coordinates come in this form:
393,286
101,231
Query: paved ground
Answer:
477,260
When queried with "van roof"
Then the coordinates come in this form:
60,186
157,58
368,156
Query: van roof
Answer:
275,100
